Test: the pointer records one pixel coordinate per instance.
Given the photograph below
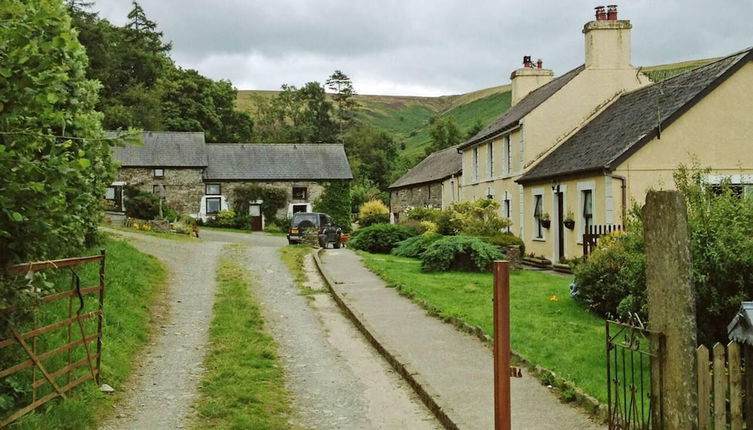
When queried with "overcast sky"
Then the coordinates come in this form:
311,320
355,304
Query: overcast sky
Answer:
422,47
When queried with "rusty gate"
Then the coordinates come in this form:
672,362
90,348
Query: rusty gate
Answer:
632,362
54,344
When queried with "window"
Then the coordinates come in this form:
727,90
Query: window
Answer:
506,208
508,153
212,189
475,164
159,173
587,199
156,190
538,211
300,208
214,205
300,193
110,193
452,186
490,157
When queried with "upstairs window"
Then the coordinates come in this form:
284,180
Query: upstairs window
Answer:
300,193
490,158
213,189
475,164
588,212
538,211
508,156
159,173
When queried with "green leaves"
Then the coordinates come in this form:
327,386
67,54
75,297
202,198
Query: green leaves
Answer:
5,72
17,217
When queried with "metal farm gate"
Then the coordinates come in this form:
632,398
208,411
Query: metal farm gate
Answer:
57,344
631,364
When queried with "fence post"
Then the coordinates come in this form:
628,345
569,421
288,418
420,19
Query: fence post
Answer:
502,415
671,310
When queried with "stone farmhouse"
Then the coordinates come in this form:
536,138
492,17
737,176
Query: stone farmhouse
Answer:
198,178
586,144
433,183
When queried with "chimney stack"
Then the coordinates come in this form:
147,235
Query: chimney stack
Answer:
528,78
607,40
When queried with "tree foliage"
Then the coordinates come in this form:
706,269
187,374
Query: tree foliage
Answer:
53,154
273,199
342,87
444,133
335,201
296,115
371,153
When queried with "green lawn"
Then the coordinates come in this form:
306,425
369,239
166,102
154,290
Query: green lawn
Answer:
243,386
133,281
557,334
170,236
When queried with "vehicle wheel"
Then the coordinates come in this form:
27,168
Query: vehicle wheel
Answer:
322,243
290,242
337,244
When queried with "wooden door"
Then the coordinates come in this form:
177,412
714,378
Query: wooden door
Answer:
254,210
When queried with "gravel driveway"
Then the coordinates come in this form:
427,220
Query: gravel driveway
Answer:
167,378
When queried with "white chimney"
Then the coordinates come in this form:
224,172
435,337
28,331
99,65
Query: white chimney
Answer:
607,40
528,78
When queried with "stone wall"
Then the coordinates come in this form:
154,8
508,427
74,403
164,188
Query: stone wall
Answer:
184,186
314,190
424,195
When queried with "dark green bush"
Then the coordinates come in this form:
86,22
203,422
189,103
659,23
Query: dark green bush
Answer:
415,246
142,206
380,238
505,239
335,201
459,253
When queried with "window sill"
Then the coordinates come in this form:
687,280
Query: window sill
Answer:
539,239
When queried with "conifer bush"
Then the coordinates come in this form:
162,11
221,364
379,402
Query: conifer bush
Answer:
380,238
460,253
415,246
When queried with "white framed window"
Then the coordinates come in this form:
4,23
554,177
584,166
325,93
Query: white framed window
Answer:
159,173
490,158
538,212
110,193
587,209
475,163
452,186
214,205
300,193
507,156
507,208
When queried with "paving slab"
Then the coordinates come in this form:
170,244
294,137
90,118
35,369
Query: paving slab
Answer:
453,368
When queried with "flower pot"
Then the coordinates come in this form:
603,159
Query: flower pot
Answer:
569,224
546,223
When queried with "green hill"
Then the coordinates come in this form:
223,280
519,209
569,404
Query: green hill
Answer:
407,118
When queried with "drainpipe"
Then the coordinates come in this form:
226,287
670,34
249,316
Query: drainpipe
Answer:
623,187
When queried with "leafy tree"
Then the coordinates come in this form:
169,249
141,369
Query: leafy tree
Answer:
475,128
335,201
444,133
343,90
372,154
296,115
54,156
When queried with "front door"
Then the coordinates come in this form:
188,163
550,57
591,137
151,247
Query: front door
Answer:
254,210
560,226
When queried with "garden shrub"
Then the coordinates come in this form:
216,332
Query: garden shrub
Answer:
459,253
225,218
380,238
505,239
373,212
441,218
612,279
423,214
477,218
143,205
415,246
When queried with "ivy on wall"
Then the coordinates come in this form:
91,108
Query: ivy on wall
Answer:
273,199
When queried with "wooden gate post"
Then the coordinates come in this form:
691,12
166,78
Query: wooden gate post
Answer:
671,311
502,416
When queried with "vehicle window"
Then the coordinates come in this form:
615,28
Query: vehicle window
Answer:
297,218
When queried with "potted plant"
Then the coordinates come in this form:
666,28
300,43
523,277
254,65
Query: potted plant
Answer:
545,220
569,220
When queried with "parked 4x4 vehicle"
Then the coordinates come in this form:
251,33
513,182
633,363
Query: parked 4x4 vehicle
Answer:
326,230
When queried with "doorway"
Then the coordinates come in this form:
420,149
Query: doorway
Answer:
254,212
560,226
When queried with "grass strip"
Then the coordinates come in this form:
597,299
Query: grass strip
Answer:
133,283
243,386
292,256
547,326
170,236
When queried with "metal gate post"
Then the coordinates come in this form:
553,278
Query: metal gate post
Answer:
502,417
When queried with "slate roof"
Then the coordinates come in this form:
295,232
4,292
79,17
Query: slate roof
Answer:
271,162
633,120
530,102
436,167
164,149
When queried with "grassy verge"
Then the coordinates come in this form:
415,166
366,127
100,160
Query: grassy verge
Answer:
134,281
170,236
292,256
243,386
227,229
547,326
